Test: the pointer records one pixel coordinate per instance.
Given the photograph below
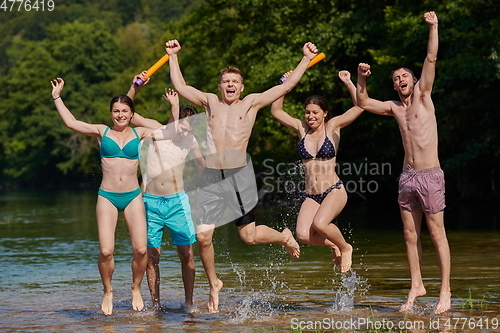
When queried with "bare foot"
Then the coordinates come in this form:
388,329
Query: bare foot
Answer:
157,305
188,308
213,297
336,256
107,303
346,260
412,296
137,303
291,245
444,303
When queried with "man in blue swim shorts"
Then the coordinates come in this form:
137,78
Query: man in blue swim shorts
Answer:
166,202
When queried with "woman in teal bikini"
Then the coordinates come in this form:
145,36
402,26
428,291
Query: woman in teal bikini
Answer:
325,195
119,190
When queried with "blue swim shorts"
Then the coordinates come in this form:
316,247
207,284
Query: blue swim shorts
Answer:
171,211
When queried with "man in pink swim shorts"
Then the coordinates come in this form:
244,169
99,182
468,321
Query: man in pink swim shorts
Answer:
421,186
422,189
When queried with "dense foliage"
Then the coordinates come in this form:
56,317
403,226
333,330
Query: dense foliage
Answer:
97,46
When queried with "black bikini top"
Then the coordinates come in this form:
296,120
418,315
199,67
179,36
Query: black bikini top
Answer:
326,151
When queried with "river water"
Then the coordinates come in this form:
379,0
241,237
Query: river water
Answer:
49,280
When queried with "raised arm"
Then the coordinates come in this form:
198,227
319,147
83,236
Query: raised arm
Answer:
362,99
283,117
347,117
137,119
429,68
134,89
269,96
172,97
69,120
169,131
345,77
193,95
350,115
197,156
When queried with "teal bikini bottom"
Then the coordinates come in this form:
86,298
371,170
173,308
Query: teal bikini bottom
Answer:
120,199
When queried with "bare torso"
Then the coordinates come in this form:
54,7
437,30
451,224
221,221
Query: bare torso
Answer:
418,127
320,174
165,165
228,133
119,174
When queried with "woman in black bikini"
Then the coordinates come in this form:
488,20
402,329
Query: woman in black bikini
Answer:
325,196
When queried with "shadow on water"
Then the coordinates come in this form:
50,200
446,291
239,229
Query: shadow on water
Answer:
50,281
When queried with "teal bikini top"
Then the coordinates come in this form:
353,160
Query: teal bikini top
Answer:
109,148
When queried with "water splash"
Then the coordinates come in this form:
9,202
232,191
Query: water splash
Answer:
271,280
240,272
350,284
262,303
254,305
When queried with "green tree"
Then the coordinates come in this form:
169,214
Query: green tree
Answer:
36,141
263,38
468,73
97,46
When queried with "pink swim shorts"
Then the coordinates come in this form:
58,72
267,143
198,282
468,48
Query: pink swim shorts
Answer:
422,189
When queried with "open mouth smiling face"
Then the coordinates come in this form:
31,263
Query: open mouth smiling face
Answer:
402,80
121,114
184,128
314,115
403,87
231,86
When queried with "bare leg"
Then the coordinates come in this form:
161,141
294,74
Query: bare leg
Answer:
341,254
188,273
135,218
153,276
308,235
336,255
107,216
106,269
329,209
435,223
412,222
262,234
207,255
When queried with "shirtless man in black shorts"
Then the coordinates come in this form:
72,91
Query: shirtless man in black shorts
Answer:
229,179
